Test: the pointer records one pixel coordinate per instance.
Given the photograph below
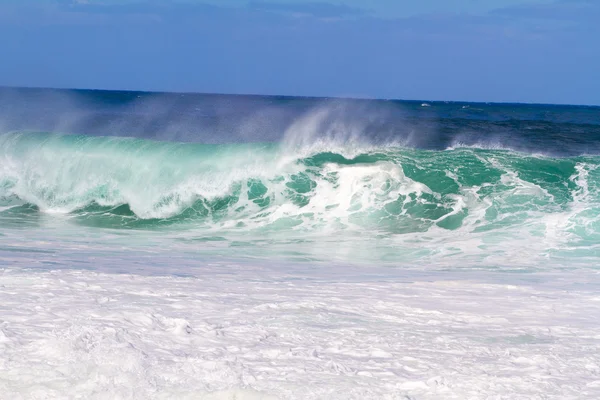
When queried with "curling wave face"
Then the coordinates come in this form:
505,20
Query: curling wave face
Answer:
384,191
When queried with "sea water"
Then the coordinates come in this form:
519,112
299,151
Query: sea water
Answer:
160,245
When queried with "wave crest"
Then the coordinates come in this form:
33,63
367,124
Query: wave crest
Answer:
332,187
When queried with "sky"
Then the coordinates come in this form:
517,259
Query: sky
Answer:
543,51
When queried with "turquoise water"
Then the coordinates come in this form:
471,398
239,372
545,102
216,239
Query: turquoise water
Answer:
377,203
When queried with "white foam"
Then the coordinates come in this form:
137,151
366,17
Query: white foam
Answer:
457,144
228,334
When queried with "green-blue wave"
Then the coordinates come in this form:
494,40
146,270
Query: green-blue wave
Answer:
331,186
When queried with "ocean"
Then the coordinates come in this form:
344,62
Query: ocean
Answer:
165,245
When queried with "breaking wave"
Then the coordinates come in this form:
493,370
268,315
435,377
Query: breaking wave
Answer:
318,184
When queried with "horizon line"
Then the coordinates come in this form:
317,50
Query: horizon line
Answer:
315,97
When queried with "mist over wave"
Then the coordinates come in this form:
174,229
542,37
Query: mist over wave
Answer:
217,119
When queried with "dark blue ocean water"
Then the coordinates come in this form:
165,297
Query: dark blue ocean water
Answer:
560,130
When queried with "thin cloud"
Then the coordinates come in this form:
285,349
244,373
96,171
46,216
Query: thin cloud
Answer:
577,11
313,9
147,7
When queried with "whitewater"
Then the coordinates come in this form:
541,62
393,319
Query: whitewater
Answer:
235,247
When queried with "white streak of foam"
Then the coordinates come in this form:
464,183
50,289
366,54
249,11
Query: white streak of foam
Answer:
559,226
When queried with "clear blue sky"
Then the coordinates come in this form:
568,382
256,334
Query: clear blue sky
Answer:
479,50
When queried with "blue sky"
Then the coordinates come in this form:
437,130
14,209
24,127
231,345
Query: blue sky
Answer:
486,50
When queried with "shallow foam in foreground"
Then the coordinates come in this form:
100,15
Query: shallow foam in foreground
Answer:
243,332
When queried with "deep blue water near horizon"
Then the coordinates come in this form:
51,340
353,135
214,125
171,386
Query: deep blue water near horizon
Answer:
398,183
217,118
